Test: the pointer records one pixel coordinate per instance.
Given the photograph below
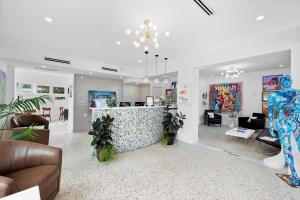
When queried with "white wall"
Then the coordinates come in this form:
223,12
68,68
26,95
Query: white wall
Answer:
48,79
135,93
251,88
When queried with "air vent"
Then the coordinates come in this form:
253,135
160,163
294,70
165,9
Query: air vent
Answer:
109,69
205,7
57,60
47,69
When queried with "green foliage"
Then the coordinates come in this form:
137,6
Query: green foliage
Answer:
25,135
111,102
102,139
106,153
172,123
19,106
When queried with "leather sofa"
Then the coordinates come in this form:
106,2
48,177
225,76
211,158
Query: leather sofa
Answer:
217,119
26,164
26,120
255,124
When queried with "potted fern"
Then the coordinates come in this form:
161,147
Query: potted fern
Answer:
171,124
102,140
20,106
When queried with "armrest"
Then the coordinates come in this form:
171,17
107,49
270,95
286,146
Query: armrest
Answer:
258,123
218,116
49,155
7,186
243,119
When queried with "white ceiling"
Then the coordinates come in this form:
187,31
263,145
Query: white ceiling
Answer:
90,28
252,64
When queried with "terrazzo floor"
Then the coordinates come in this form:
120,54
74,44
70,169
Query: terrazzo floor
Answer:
180,171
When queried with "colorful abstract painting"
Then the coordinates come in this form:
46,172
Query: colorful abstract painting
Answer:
2,86
98,99
271,82
225,97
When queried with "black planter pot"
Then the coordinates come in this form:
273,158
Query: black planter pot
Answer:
171,139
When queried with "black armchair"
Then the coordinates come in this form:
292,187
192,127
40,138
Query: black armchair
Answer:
217,119
258,123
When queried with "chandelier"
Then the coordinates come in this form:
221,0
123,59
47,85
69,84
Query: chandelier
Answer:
147,35
232,73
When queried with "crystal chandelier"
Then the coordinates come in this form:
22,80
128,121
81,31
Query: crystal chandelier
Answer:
232,73
147,35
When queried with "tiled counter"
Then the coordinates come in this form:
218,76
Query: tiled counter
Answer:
133,127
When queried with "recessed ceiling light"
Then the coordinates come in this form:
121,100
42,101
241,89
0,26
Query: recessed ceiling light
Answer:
281,66
48,19
137,83
128,31
140,61
44,66
260,17
118,42
136,44
146,48
121,76
167,34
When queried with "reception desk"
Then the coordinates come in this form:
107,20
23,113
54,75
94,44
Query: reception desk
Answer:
133,127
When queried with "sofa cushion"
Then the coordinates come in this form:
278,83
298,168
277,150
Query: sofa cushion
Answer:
45,176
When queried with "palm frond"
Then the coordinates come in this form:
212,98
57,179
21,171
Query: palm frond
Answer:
25,135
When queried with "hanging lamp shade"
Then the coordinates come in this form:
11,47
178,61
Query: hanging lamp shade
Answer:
146,79
165,75
156,80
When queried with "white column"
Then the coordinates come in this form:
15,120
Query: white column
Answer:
295,72
10,83
190,78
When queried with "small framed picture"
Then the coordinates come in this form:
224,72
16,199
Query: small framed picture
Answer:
149,101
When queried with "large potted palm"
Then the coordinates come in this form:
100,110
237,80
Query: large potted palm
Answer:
102,140
171,124
19,106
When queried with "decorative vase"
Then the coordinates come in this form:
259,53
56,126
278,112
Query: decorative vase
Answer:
171,139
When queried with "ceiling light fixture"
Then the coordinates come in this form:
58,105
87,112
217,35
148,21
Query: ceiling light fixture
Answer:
146,79
165,75
156,80
44,66
136,44
118,42
147,34
128,31
140,61
232,73
48,19
260,17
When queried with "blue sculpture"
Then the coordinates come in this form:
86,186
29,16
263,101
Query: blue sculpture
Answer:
286,103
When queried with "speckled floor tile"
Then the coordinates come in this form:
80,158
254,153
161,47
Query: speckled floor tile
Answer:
180,171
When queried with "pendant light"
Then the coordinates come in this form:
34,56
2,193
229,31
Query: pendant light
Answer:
165,76
146,79
156,80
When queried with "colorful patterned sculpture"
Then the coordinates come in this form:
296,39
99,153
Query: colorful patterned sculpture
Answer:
286,103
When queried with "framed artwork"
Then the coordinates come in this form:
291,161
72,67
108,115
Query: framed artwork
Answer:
98,99
58,90
265,96
42,89
265,110
149,101
184,93
24,88
2,87
271,82
168,92
173,85
225,97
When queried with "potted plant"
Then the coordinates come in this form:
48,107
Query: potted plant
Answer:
19,106
111,102
171,124
102,140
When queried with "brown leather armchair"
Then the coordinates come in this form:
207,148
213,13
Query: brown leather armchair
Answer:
26,120
25,164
